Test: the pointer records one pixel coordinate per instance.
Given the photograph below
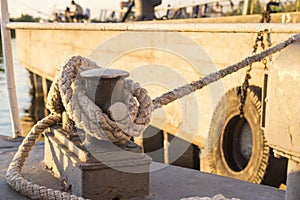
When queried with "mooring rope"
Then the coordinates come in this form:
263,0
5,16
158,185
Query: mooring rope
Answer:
210,78
68,88
67,93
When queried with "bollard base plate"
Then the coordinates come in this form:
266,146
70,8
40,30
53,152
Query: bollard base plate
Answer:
109,173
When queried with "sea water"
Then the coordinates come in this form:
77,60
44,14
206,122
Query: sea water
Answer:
23,87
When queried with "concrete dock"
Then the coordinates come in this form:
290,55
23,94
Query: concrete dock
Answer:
169,183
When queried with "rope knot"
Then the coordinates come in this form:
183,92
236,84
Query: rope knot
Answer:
122,120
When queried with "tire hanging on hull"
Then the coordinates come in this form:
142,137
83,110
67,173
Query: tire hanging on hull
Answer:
236,145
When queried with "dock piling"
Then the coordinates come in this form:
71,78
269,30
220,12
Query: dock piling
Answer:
9,70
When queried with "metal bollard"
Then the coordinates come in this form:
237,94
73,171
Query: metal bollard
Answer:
122,167
104,86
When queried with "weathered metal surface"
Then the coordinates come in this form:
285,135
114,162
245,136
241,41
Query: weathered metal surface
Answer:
228,44
116,174
282,119
167,27
104,86
282,107
102,73
68,144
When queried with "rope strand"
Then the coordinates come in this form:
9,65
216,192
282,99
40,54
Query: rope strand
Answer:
62,93
210,78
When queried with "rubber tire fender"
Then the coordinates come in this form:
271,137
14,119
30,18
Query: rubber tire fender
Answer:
226,110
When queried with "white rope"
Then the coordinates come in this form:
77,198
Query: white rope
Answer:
67,93
87,115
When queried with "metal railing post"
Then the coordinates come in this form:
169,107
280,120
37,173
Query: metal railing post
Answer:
9,70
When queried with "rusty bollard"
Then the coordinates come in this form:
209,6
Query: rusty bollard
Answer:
96,168
106,88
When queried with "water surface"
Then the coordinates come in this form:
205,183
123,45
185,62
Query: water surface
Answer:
23,88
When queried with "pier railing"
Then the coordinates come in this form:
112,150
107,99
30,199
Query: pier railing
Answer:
291,28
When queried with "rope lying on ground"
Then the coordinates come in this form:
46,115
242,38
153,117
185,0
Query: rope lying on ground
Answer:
216,197
63,92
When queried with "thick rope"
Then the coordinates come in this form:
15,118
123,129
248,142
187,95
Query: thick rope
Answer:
64,92
68,90
19,183
210,78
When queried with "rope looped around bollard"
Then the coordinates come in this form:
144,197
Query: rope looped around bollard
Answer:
67,90
67,93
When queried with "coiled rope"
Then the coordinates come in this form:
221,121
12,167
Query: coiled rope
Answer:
66,93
